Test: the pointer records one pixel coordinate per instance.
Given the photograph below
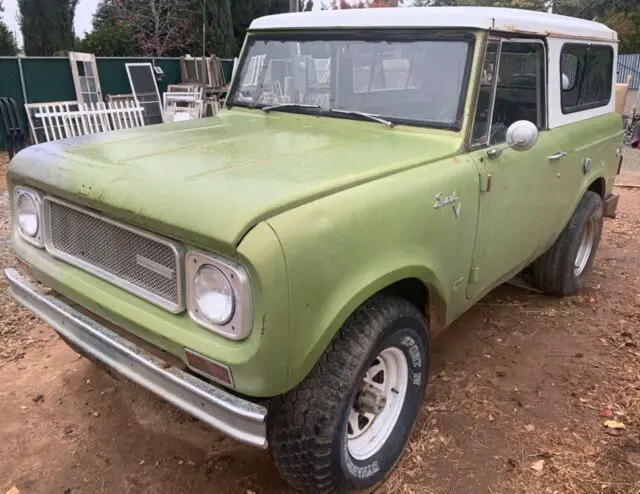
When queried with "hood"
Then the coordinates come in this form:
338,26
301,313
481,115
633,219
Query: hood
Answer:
210,181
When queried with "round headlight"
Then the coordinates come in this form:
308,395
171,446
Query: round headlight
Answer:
27,210
214,295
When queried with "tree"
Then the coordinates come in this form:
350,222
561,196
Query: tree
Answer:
220,38
47,25
362,4
219,34
513,4
160,27
110,40
627,25
244,11
305,5
110,35
8,45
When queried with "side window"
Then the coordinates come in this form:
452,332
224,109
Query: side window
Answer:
511,89
586,75
519,89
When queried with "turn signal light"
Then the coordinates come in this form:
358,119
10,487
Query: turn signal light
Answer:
209,368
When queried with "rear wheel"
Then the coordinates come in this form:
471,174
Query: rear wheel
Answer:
564,268
346,425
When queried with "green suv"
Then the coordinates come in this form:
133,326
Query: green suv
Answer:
276,270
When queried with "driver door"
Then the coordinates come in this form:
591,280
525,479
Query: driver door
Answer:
514,214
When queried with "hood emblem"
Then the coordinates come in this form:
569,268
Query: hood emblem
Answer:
445,200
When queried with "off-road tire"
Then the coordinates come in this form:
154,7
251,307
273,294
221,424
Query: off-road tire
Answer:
553,272
307,427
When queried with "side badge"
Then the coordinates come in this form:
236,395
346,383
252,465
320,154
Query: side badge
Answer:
452,199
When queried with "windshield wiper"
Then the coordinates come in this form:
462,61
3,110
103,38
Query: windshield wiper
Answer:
370,116
267,109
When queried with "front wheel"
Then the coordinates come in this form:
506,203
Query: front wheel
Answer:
346,425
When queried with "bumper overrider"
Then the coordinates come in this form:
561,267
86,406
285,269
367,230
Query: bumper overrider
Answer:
234,416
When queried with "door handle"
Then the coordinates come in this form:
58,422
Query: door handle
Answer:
557,156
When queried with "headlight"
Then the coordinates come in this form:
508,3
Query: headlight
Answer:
28,209
218,295
214,295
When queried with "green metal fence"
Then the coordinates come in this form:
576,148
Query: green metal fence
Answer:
44,79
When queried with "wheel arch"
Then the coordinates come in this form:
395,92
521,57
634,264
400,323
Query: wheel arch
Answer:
599,186
418,285
422,295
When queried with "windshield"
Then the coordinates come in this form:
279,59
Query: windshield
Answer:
411,78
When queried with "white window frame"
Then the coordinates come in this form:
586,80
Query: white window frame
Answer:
155,83
90,58
554,91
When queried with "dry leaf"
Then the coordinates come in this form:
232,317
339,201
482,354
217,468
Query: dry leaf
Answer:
614,424
537,465
607,412
13,490
589,450
529,427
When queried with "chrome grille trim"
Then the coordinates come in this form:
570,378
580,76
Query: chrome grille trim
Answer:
173,303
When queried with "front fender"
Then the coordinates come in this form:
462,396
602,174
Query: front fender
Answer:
342,249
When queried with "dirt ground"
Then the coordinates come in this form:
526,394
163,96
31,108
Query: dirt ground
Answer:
516,399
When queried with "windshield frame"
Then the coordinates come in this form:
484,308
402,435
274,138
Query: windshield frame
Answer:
369,34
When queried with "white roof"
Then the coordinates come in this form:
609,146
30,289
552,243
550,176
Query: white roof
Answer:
486,18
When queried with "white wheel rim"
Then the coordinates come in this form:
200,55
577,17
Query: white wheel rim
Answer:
585,247
386,380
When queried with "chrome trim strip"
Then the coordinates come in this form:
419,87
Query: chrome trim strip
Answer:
236,417
241,322
177,249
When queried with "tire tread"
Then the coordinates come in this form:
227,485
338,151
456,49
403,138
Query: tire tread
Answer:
303,455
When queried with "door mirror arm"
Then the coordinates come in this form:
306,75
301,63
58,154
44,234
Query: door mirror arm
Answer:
521,136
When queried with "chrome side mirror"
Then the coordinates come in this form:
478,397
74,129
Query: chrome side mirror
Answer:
521,136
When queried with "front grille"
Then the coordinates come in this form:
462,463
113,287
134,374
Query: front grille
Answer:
138,261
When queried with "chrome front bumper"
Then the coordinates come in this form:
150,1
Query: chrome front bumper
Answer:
238,418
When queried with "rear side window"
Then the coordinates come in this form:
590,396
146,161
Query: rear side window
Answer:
585,76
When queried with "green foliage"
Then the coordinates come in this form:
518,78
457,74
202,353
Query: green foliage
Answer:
8,45
244,11
110,40
621,15
227,21
627,25
47,25
220,40
305,5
